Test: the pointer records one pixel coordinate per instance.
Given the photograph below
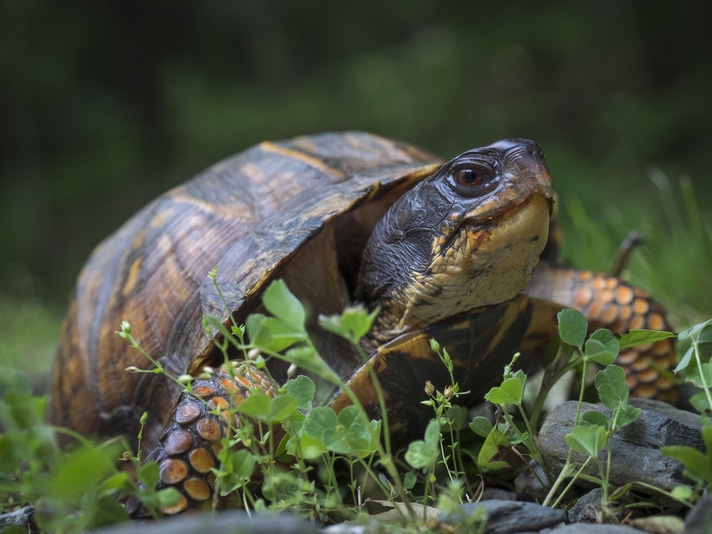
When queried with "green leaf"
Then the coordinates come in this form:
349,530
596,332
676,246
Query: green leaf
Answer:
696,463
281,303
9,462
481,426
309,360
253,326
456,415
212,326
322,423
305,446
20,410
510,391
626,415
700,375
281,408
700,402
353,323
256,406
601,347
271,410
107,512
81,471
147,474
684,362
639,336
611,386
424,453
494,441
236,468
698,340
409,480
683,494
302,388
168,496
114,482
701,333
275,335
594,418
588,439
356,432
573,327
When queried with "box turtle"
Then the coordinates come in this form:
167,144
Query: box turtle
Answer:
453,251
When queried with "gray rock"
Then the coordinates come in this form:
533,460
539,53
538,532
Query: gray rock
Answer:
588,528
22,518
699,519
498,494
347,528
226,522
529,487
587,508
636,448
509,517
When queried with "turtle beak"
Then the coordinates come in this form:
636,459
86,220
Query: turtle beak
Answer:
525,158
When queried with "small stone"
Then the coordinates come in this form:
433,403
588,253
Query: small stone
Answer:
589,528
587,508
636,447
666,524
497,494
509,516
21,519
528,484
699,519
219,522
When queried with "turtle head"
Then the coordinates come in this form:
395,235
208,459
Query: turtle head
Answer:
467,236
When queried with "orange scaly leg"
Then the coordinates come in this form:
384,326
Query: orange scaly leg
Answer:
609,302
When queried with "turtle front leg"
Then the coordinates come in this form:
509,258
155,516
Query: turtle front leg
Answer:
610,302
188,448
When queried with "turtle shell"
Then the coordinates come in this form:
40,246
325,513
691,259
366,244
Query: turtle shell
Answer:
250,215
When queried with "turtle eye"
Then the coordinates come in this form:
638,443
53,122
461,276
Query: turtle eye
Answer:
469,177
473,180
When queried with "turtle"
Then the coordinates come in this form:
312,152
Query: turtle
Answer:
457,251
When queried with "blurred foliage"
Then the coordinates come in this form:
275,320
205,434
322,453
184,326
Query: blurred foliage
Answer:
103,105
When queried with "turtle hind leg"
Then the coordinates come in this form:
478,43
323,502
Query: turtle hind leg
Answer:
610,302
188,448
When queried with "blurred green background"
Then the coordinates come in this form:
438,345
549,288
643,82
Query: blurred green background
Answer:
103,105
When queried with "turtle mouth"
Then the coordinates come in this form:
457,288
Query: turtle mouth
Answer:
490,261
482,232
486,262
521,230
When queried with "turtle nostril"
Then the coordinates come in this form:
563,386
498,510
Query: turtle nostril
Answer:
531,148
